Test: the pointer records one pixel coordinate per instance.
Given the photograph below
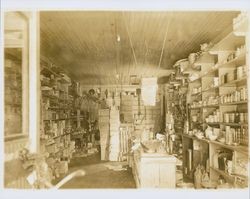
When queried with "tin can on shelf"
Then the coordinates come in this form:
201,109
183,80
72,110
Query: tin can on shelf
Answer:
246,117
239,72
242,117
229,137
231,117
226,117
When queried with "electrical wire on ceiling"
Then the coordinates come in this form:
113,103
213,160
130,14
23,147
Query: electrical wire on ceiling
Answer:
163,45
130,40
145,56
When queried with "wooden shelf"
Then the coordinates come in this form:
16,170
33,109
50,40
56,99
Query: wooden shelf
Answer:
61,135
13,104
240,148
224,174
217,105
211,106
207,106
212,123
197,122
228,43
222,49
59,108
71,118
196,94
238,61
211,89
233,103
195,138
233,124
226,123
235,82
206,74
196,107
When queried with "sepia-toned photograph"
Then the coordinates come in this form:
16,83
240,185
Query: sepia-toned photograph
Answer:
125,99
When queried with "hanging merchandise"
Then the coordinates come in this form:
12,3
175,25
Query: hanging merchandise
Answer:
148,90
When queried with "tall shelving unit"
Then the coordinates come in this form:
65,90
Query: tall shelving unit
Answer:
218,99
201,92
233,108
59,115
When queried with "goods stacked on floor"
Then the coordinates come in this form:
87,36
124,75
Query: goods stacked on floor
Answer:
114,147
60,118
125,135
127,111
104,132
144,118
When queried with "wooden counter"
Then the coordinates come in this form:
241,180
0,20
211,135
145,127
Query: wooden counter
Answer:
154,170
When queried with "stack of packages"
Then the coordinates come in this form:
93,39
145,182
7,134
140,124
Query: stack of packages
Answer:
125,135
104,132
114,147
126,108
136,108
145,117
153,116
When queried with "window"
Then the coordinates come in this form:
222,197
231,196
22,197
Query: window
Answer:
15,75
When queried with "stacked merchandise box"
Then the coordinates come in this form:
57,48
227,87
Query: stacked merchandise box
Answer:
125,137
104,132
127,108
146,118
114,147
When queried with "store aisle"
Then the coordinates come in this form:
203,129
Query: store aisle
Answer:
98,175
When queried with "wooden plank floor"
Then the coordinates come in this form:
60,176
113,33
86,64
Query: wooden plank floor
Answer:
98,175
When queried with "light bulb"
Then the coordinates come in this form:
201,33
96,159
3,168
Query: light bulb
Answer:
118,38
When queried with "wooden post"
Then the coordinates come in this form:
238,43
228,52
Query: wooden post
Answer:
34,83
25,78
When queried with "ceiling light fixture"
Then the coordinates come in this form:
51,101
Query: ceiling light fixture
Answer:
118,38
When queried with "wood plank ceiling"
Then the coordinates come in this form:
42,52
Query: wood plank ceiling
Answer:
85,43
